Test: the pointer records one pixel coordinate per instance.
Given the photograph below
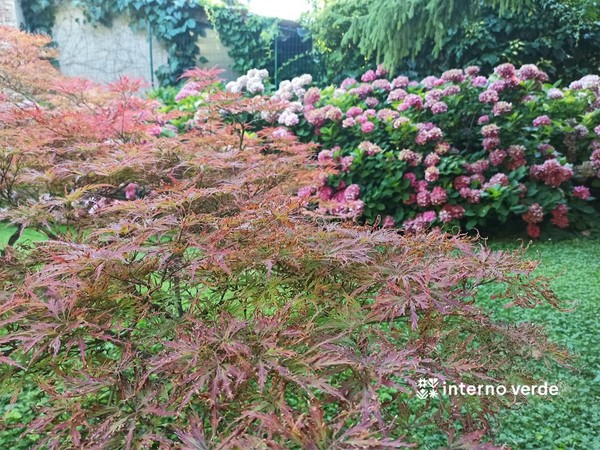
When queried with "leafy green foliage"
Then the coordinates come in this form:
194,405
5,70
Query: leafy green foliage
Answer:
559,36
248,37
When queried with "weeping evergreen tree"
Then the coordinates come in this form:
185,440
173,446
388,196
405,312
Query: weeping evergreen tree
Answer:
392,30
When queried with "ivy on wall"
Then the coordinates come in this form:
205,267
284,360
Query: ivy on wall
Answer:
248,37
176,23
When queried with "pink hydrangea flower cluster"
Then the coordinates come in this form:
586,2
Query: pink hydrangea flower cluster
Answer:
420,222
542,121
581,192
318,117
560,216
369,148
489,96
396,95
516,157
497,179
531,72
501,108
535,214
382,84
451,212
411,101
410,157
551,172
428,132
497,157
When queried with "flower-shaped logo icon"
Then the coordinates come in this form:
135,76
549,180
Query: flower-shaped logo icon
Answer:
427,388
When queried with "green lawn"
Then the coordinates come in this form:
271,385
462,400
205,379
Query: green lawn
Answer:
572,419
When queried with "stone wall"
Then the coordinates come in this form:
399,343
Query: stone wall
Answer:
103,54
10,13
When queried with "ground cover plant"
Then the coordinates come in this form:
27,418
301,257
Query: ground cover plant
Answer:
461,149
571,420
184,296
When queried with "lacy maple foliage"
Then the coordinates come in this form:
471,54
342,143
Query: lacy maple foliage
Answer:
185,299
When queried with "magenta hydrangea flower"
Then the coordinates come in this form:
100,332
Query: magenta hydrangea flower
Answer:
312,96
400,82
438,196
489,96
368,76
411,177
389,222
381,71
411,101
325,157
325,193
551,172
597,130
478,166
429,216
346,163
423,199
472,71
396,94
516,157
354,111
505,70
410,157
348,82
461,182
531,72
432,159
533,230
535,214
497,157
499,178
348,122
369,148
441,148
479,81
361,119
491,143
491,130
352,192
581,192
453,89
483,119
542,121
371,102
370,113
386,114
559,216
555,94
432,174
439,108
367,127
502,108
453,75
428,132
451,212
382,85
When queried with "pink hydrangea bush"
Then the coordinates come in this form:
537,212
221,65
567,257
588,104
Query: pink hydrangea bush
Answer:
459,149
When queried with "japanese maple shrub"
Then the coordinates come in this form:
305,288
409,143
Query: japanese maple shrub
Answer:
186,299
